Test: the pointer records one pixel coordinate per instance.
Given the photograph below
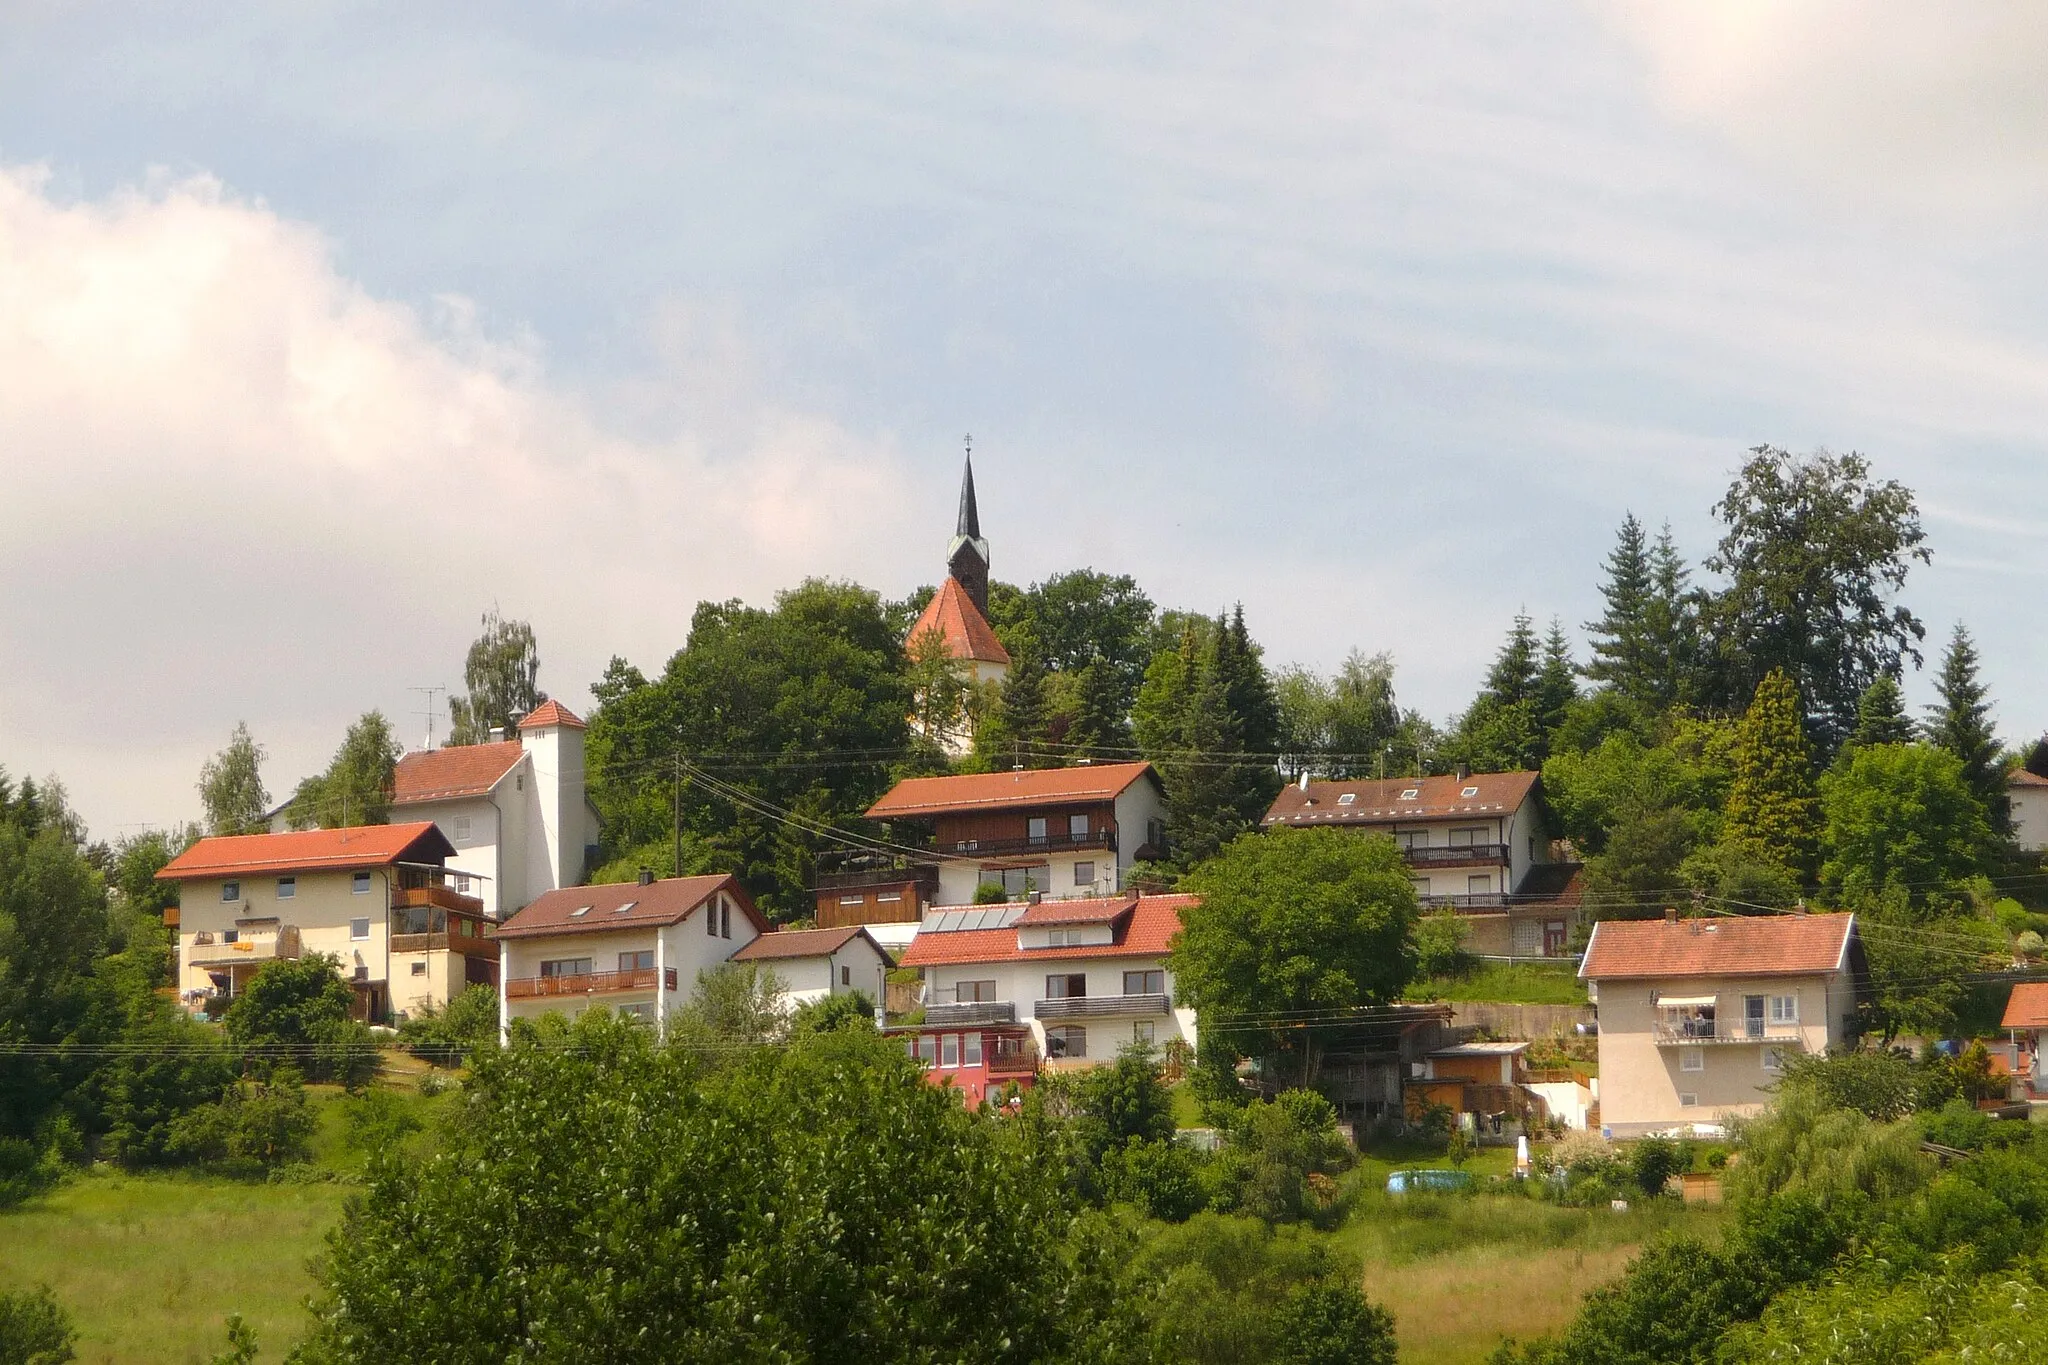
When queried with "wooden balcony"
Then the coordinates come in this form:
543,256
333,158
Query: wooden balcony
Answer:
1457,855
1021,1060
477,946
587,983
1101,1006
1051,843
408,897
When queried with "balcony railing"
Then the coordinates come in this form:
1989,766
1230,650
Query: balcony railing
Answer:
477,946
1051,843
205,952
1485,900
1020,1060
441,897
972,1012
1453,855
1097,1006
584,983
851,873
1705,1032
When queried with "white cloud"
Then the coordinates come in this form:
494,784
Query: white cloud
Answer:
239,486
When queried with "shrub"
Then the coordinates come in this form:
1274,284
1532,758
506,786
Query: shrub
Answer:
1221,1284
833,1013
377,1121
1272,1150
1440,945
24,1171
35,1329
1653,1161
257,1125
446,1036
297,1009
1160,1176
1327,1322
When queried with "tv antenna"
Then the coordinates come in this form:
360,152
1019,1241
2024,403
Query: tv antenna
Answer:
426,712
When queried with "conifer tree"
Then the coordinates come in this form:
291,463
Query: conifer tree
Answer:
1503,729
1961,723
1098,728
1773,808
1672,628
1253,778
1619,640
1557,684
1881,715
1015,734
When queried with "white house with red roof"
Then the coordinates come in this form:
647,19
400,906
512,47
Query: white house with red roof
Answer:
1479,843
2026,1017
1697,1015
634,948
515,810
812,964
2028,793
1061,833
376,897
1059,983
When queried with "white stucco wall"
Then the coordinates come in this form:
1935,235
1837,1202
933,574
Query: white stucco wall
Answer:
1023,984
684,948
2030,816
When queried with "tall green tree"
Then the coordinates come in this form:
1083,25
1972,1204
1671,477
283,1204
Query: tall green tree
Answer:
790,1206
1556,682
231,786
1960,722
1815,552
1253,777
1015,733
1623,653
1290,924
1881,715
1900,817
1773,810
356,788
502,673
1502,731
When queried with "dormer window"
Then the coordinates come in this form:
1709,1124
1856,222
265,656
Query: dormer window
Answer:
1348,799
1469,792
1410,793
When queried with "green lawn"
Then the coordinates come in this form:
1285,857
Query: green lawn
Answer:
1518,983
150,1266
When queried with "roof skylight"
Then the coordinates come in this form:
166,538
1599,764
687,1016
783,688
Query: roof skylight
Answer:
1347,798
1410,793
579,912
1469,792
622,909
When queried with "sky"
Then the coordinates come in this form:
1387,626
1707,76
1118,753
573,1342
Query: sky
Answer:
325,328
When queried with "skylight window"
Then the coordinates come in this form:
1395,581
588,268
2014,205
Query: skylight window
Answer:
1409,794
1347,798
620,910
579,912
1469,792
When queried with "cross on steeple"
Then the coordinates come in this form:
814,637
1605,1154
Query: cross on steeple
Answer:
967,557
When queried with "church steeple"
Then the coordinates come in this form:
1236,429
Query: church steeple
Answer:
967,557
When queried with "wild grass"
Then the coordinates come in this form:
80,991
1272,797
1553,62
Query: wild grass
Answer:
1520,983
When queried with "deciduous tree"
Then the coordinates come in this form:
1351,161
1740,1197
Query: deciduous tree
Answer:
356,788
502,673
1900,817
1773,811
231,786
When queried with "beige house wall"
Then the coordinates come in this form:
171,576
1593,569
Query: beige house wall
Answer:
321,908
1643,1081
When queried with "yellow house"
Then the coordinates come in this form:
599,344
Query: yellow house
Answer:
375,897
1698,1015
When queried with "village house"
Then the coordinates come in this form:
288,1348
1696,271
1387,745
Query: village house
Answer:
812,964
956,619
1697,1015
515,810
1478,843
2028,794
376,897
1059,833
2026,1017
631,947
1008,988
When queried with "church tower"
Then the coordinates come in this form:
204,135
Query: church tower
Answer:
967,556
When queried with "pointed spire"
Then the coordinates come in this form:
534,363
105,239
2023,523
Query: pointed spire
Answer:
970,515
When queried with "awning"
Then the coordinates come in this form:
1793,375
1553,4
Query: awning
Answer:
1668,1002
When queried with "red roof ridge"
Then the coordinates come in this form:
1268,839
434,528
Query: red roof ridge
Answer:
1736,945
2027,1006
624,905
457,770
308,850
551,712
1019,787
966,631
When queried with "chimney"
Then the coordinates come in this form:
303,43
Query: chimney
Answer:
646,876
1671,914
1034,897
1464,771
497,734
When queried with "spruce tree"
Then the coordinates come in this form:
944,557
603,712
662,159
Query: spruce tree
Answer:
1881,715
1556,685
1671,629
1773,809
1619,640
1503,730
1098,728
1961,723
1015,735
1253,778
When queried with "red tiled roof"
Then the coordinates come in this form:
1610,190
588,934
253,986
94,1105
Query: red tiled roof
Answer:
551,712
1088,910
1147,932
1380,802
2020,777
459,770
623,905
789,943
309,850
2027,1007
967,632
995,791
1761,945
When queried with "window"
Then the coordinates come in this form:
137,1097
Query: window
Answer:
1412,838
1084,874
888,897
419,969
287,887
1410,793
949,1050
359,885
359,928
1468,792
974,992
565,966
642,961
1348,799
853,900
1144,983
230,935
640,1011
1035,829
928,1049
461,829
1057,938
846,976
1479,886
1144,1032
230,891
1018,882
1066,986
711,918
1688,1099
1077,826
461,880
1784,1009
1070,1040
1692,1059
724,918
972,1051
1773,1059
623,908
580,911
